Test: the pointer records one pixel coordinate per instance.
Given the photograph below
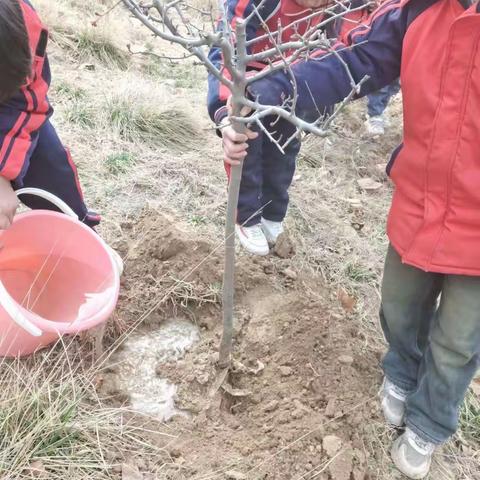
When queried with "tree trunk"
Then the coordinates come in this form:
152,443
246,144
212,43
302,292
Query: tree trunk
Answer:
225,354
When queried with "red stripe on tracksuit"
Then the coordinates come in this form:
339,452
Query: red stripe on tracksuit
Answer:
18,141
381,10
75,172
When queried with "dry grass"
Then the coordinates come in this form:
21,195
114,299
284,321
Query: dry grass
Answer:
138,143
53,425
136,117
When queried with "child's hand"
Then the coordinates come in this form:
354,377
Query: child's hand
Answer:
8,203
235,144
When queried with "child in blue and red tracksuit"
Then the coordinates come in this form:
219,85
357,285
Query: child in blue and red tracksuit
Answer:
267,173
430,309
31,154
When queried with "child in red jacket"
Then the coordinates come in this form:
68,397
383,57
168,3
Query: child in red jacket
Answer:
31,154
267,173
430,311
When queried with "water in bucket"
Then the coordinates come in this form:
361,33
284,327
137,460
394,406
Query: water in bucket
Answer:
41,284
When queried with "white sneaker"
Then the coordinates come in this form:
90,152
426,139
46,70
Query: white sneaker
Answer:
412,455
272,230
392,400
253,239
375,125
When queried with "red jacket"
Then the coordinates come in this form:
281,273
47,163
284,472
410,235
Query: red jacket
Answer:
434,221
292,18
23,115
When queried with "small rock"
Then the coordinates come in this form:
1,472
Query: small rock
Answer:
284,247
234,475
202,378
268,269
298,404
354,202
332,444
283,418
331,408
175,452
88,66
345,359
285,371
290,274
368,184
348,302
359,474
36,469
298,413
131,472
341,467
271,406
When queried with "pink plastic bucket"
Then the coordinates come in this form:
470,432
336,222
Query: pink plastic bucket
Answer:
57,276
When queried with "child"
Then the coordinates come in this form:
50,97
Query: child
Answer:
267,173
31,154
431,287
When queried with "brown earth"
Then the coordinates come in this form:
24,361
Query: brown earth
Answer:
302,378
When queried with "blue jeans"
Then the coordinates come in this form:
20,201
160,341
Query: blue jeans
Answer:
267,175
378,101
432,325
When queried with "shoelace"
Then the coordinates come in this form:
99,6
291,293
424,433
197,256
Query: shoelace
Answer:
255,232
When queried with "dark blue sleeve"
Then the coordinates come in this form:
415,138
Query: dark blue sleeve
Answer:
373,50
217,93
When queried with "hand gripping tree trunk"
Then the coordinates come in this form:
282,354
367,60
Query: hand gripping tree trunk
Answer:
170,21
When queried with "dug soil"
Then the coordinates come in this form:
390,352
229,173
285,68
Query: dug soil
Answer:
302,392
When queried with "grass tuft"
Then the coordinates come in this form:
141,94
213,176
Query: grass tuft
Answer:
93,44
67,91
119,163
470,417
136,118
80,113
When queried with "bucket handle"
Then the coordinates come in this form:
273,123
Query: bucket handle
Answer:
58,202
7,302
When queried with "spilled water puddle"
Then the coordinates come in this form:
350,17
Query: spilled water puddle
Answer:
138,362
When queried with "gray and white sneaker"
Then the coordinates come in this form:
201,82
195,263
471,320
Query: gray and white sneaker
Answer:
375,125
392,400
412,455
